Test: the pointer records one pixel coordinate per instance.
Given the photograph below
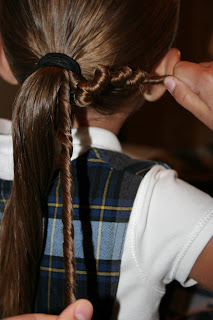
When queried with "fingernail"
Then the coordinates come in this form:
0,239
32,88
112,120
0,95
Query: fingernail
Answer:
169,84
80,316
83,311
149,92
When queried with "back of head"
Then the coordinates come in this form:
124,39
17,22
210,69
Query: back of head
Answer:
95,33
116,43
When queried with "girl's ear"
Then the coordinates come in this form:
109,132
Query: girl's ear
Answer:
164,67
5,71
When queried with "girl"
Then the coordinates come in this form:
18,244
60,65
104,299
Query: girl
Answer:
83,68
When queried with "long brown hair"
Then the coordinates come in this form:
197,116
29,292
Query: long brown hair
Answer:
116,43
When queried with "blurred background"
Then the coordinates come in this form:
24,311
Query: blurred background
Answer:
165,131
164,124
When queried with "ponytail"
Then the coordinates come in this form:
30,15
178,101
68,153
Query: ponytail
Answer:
65,138
42,102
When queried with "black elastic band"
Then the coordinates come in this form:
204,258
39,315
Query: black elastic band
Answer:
59,60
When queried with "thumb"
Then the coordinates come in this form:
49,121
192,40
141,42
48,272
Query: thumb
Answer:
197,77
189,73
187,98
79,310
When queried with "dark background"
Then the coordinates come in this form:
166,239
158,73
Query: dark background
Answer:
164,123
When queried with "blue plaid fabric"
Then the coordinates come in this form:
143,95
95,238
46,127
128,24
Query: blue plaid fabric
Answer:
106,184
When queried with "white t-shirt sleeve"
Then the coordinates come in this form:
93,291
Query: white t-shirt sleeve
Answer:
6,150
172,227
5,126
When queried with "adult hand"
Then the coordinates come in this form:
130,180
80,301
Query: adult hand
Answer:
192,87
79,310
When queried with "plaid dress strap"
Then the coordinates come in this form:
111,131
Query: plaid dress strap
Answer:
105,186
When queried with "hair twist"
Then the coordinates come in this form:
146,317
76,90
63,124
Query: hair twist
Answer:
120,77
140,77
88,90
65,138
125,79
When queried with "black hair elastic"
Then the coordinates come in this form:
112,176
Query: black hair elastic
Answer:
59,60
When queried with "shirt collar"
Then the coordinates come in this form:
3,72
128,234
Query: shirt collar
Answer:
83,140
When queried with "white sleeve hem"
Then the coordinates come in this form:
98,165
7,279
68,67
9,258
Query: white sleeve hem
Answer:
141,204
196,242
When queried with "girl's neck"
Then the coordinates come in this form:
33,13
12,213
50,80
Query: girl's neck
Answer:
113,122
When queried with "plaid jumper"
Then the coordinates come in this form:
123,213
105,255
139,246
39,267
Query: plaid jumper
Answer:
105,186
